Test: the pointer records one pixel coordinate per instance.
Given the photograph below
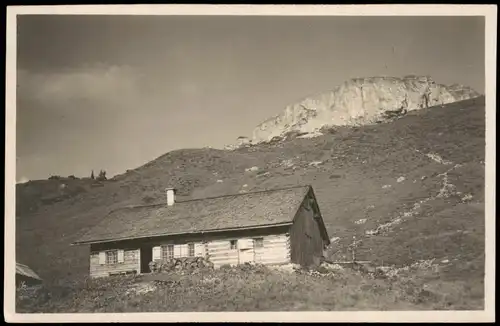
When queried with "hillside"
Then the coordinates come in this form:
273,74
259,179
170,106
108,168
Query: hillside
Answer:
409,190
32,195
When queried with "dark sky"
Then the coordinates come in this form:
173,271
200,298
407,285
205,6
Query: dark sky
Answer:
114,92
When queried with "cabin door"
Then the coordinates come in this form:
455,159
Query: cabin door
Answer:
146,258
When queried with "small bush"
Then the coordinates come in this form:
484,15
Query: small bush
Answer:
101,176
394,114
335,176
325,130
148,199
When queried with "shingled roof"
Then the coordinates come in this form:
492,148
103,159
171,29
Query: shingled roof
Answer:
26,272
238,211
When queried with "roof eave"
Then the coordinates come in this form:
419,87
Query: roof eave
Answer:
76,243
322,222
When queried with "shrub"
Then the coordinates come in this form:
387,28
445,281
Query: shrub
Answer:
148,199
328,130
394,114
101,176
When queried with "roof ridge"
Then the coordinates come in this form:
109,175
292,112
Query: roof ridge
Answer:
215,197
244,194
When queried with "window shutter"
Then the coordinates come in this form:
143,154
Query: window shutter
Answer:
156,253
121,256
245,244
177,251
184,250
102,258
199,249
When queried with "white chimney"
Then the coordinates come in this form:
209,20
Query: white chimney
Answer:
170,196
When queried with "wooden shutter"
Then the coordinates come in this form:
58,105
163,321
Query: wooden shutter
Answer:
121,255
245,243
102,258
184,250
199,249
156,253
177,251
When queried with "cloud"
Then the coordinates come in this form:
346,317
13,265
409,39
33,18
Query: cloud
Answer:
103,84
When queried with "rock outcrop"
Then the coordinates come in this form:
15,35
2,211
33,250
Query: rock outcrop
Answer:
361,101
241,141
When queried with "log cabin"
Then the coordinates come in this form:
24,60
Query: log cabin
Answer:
277,226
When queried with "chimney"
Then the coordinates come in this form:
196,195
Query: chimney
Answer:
170,196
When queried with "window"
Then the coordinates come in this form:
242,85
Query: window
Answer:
111,257
233,244
167,252
191,249
258,242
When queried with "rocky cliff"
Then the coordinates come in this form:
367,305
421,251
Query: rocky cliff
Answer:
361,101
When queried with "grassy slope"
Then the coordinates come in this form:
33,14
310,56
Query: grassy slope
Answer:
356,164
260,289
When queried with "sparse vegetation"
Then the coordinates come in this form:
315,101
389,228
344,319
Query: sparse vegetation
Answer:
148,199
328,130
394,114
101,176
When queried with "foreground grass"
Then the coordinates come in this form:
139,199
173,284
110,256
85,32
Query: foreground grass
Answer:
259,289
